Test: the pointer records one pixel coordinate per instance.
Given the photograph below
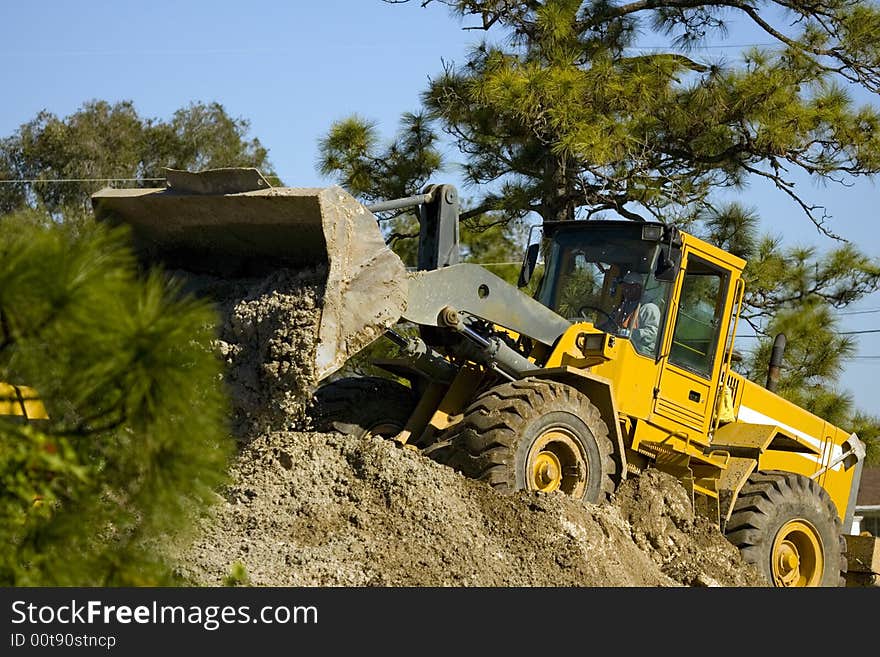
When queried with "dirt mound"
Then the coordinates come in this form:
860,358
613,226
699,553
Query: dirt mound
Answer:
313,509
309,509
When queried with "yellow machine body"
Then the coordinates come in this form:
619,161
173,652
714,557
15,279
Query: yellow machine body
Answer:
20,402
706,424
713,428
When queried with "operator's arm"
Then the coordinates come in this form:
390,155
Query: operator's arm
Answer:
644,338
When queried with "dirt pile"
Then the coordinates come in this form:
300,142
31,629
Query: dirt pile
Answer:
313,509
309,509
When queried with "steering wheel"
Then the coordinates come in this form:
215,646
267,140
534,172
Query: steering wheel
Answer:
582,311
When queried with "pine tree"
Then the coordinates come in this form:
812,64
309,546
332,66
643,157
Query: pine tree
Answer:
136,438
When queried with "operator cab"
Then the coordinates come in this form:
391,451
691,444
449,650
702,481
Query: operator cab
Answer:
613,274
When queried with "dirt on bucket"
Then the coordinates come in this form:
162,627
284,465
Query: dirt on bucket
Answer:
267,338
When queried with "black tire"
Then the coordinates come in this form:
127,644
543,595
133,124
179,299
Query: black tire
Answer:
363,406
532,434
787,526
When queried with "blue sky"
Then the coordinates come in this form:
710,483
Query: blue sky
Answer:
292,68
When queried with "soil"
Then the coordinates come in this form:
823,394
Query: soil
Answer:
267,338
304,508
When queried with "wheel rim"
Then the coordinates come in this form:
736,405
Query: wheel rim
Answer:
557,462
797,555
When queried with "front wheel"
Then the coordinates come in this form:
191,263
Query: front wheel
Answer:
363,406
787,526
534,435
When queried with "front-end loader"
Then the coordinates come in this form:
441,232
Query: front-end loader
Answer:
545,391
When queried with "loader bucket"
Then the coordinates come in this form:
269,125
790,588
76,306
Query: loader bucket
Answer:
232,223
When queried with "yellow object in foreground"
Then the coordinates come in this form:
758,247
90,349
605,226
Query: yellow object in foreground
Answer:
21,402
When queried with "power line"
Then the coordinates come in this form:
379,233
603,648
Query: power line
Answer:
712,47
84,180
285,51
860,312
835,332
77,180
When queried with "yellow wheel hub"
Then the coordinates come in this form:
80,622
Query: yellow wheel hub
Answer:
797,557
547,472
557,462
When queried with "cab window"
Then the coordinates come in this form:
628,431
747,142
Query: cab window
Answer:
698,323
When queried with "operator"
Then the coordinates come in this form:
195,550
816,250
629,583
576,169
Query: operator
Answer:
634,316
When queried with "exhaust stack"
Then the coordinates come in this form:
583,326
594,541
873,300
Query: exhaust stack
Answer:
775,362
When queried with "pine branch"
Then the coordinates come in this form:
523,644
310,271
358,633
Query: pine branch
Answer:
785,186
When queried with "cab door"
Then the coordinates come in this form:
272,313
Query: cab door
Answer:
693,344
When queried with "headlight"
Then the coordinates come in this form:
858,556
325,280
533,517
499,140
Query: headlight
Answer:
593,342
652,232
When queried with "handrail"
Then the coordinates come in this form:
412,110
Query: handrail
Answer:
738,295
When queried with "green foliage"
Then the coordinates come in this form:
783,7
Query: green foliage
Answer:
104,141
136,438
237,576
867,427
559,112
352,153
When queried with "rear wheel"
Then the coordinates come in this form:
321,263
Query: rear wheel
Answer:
363,406
787,526
534,435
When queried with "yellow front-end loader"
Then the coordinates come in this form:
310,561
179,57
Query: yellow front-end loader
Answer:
547,390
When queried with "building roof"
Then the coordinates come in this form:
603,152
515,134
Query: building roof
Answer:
869,489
